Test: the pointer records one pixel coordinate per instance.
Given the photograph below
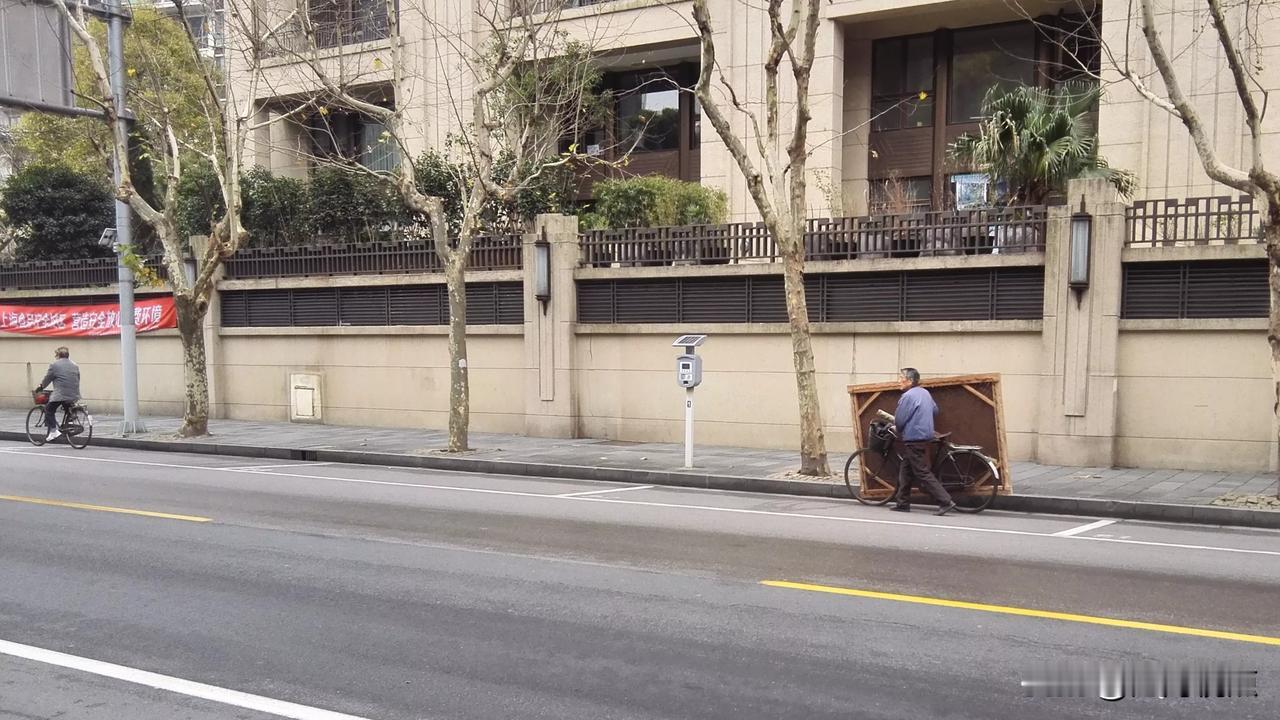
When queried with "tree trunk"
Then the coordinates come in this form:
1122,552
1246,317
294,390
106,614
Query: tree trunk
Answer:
813,443
459,386
195,413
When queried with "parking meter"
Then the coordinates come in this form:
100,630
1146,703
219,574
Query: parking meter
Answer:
688,371
688,376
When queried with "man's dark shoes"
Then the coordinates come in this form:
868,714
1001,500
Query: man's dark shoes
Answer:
901,508
945,509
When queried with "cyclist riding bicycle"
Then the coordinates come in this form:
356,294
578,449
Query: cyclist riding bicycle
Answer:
64,376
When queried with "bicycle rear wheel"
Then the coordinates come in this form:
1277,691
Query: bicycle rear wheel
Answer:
36,430
880,481
78,428
971,477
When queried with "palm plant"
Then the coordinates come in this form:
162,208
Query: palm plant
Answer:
1034,140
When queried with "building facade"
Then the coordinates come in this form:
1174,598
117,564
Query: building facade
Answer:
894,83
1155,357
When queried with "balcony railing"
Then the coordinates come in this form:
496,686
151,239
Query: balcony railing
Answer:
331,32
959,232
534,7
392,257
1221,220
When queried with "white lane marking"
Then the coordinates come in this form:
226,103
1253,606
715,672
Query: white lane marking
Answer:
602,492
213,693
676,506
254,468
1085,528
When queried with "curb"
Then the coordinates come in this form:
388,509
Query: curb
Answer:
1091,507
1132,510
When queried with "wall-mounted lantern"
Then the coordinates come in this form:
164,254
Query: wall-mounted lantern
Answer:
542,270
1081,242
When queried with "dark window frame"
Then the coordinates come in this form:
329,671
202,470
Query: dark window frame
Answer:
1036,40
1050,66
679,77
903,93
340,134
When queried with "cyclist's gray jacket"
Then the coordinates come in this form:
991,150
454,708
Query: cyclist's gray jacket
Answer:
64,376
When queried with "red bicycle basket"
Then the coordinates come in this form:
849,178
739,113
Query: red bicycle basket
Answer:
42,398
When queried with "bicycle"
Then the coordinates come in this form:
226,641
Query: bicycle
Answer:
972,478
76,425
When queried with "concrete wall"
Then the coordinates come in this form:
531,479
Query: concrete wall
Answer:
1198,397
24,360
391,377
627,390
1191,394
1080,385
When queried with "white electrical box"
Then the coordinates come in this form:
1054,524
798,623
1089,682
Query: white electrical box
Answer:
304,398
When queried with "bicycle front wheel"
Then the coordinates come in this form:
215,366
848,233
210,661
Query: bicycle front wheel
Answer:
881,483
36,430
78,428
972,478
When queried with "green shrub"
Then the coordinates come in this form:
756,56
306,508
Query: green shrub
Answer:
61,212
549,192
199,203
657,201
275,209
351,207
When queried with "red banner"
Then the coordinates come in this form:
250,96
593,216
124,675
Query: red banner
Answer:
86,320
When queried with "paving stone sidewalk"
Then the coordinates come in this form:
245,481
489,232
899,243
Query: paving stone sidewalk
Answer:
1190,487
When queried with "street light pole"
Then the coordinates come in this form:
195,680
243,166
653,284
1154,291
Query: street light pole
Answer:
124,236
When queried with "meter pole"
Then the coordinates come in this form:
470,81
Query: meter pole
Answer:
688,427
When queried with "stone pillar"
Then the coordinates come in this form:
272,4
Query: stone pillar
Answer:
826,103
741,34
550,390
287,148
1078,403
855,145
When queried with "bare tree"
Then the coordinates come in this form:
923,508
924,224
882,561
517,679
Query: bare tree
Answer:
776,175
520,89
1236,30
226,122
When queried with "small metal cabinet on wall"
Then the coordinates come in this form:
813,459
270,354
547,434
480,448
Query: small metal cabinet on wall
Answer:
305,404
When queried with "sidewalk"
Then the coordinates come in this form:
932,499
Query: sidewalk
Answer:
1164,495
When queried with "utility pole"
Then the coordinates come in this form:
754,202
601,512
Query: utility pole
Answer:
124,231
115,13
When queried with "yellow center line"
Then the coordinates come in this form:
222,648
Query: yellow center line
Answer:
104,508
1027,612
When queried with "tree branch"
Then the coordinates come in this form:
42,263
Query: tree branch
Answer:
711,106
1253,117
1213,166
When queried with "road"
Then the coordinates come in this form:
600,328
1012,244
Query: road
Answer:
145,585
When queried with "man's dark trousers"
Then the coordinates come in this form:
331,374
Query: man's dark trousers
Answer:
51,414
915,468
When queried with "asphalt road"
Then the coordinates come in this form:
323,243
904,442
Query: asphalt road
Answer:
391,593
